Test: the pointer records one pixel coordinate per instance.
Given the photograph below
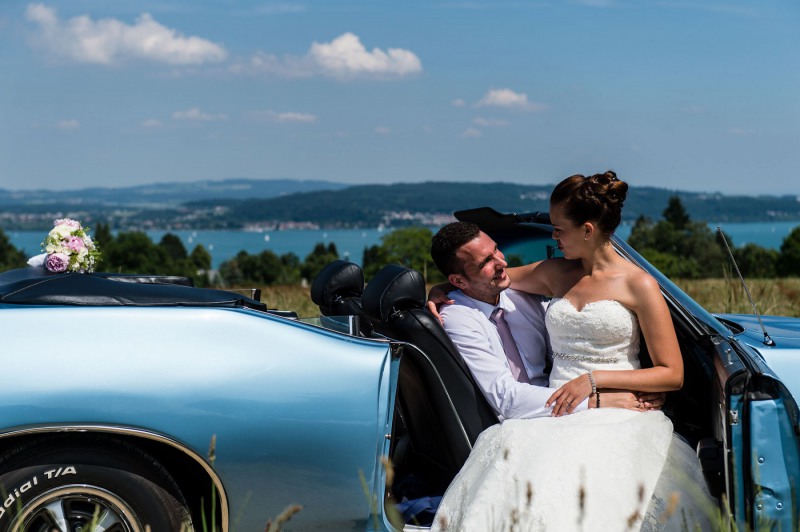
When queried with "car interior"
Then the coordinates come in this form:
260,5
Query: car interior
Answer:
439,411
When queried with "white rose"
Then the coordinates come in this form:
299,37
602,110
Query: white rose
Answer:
55,248
61,231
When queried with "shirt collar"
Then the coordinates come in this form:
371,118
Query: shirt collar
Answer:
504,302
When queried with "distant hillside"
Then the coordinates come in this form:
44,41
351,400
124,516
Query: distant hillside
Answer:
166,193
243,203
369,205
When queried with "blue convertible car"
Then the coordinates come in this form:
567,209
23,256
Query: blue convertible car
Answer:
133,401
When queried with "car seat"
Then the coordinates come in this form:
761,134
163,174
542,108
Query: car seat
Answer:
442,407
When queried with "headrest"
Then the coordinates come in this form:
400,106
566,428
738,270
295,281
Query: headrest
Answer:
337,279
393,288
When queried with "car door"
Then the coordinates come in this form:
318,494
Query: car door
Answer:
763,450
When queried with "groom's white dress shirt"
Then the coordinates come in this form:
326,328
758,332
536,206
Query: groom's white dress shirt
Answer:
467,323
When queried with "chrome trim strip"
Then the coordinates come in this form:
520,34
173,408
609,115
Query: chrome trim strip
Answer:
140,433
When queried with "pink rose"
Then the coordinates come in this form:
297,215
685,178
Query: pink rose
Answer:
72,224
57,262
74,243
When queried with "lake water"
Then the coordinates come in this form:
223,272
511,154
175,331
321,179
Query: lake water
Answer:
351,242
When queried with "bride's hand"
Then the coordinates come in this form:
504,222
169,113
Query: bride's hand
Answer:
567,398
438,297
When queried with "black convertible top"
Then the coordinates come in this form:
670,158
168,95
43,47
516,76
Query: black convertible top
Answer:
37,286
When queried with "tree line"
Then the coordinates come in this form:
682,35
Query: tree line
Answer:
676,245
684,249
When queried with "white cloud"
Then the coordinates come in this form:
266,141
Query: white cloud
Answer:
303,118
68,124
382,130
490,122
344,58
509,99
152,122
265,64
471,132
740,131
196,115
285,117
458,102
110,41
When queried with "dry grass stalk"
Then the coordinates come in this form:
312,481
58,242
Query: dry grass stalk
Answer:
672,505
212,450
283,517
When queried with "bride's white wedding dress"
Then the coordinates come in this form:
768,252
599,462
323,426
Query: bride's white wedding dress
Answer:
593,470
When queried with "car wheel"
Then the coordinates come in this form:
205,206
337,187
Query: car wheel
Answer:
90,484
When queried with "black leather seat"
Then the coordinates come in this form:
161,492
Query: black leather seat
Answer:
442,408
337,289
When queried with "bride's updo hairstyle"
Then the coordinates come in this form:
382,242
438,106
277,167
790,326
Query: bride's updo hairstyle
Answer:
597,198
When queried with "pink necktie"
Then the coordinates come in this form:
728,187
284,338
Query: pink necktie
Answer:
509,346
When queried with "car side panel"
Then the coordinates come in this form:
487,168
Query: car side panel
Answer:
298,412
773,461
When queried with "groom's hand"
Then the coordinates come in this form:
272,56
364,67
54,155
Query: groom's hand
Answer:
640,401
652,400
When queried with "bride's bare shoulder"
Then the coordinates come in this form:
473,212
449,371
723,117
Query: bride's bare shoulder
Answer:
641,285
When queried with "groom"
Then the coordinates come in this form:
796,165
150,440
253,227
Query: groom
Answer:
507,351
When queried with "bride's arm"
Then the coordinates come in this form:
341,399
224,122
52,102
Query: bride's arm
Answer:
666,374
535,278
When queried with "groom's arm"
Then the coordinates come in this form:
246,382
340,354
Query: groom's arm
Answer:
469,331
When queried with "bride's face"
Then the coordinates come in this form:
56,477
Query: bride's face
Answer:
570,237
485,273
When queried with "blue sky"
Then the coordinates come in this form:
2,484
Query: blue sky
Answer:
701,96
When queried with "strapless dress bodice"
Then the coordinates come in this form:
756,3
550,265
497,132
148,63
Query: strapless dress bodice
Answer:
602,335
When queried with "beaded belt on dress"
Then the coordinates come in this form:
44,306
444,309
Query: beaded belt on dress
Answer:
586,358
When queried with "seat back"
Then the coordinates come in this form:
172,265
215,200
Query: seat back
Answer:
337,289
443,409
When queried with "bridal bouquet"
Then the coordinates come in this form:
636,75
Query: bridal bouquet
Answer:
68,247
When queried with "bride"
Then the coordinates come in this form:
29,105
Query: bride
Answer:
598,469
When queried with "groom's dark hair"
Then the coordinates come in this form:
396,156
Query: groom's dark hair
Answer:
446,243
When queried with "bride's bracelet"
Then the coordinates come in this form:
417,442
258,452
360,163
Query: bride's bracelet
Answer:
594,388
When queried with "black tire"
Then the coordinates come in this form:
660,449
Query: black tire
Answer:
66,483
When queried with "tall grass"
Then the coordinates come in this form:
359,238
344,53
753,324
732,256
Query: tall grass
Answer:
779,297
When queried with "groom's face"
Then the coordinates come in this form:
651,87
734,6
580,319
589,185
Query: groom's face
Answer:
484,270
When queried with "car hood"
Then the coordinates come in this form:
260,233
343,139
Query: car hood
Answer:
784,357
